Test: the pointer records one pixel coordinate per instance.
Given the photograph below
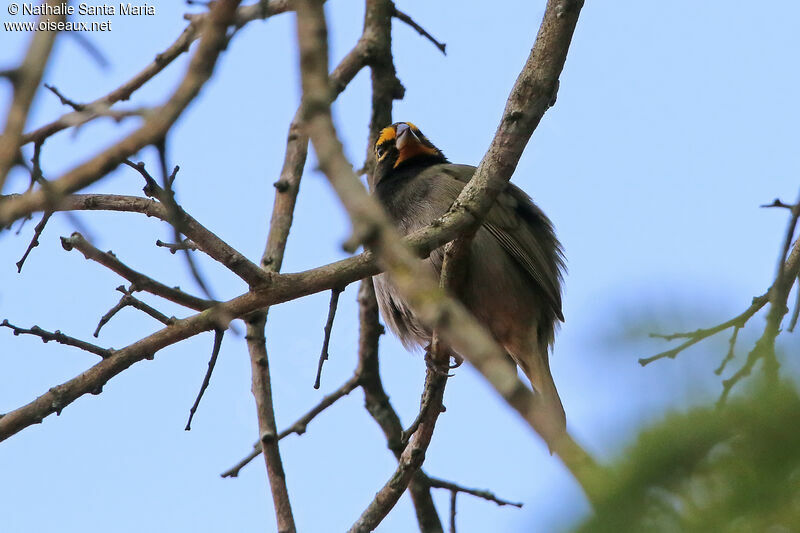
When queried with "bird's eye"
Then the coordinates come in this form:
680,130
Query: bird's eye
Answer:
380,151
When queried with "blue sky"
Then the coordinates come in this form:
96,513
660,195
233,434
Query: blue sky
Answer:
674,121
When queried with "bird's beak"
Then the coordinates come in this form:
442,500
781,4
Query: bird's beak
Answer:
405,136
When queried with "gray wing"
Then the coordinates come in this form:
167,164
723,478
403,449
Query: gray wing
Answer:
527,235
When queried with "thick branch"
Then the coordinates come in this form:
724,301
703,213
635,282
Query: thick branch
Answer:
457,327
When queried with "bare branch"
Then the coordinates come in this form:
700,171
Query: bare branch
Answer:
183,223
377,403
218,334
731,351
323,356
412,457
694,337
530,98
26,81
37,232
788,271
453,495
206,240
128,300
186,244
64,100
287,187
301,424
777,296
60,338
262,391
408,20
154,128
140,281
478,493
244,14
778,203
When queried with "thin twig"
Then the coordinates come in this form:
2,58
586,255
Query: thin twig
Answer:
218,334
408,20
531,96
478,493
128,300
64,100
301,424
183,223
58,337
37,232
140,281
778,203
186,244
323,356
788,271
453,494
181,45
26,81
154,127
731,351
696,336
205,239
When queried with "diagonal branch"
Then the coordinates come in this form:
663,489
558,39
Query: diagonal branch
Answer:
98,107
26,81
408,20
531,96
778,296
58,337
138,280
218,334
301,424
128,300
205,239
323,356
184,223
155,126
377,404
37,232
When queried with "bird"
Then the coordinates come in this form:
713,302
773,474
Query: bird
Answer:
515,265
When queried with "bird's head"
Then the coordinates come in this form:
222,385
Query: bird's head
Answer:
402,145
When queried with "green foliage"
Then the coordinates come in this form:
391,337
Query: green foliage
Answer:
735,469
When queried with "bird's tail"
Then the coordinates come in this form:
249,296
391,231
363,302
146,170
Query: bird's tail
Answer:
537,368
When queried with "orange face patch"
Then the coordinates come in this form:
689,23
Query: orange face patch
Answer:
387,134
415,146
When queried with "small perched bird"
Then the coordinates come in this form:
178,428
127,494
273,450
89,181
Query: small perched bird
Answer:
515,266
